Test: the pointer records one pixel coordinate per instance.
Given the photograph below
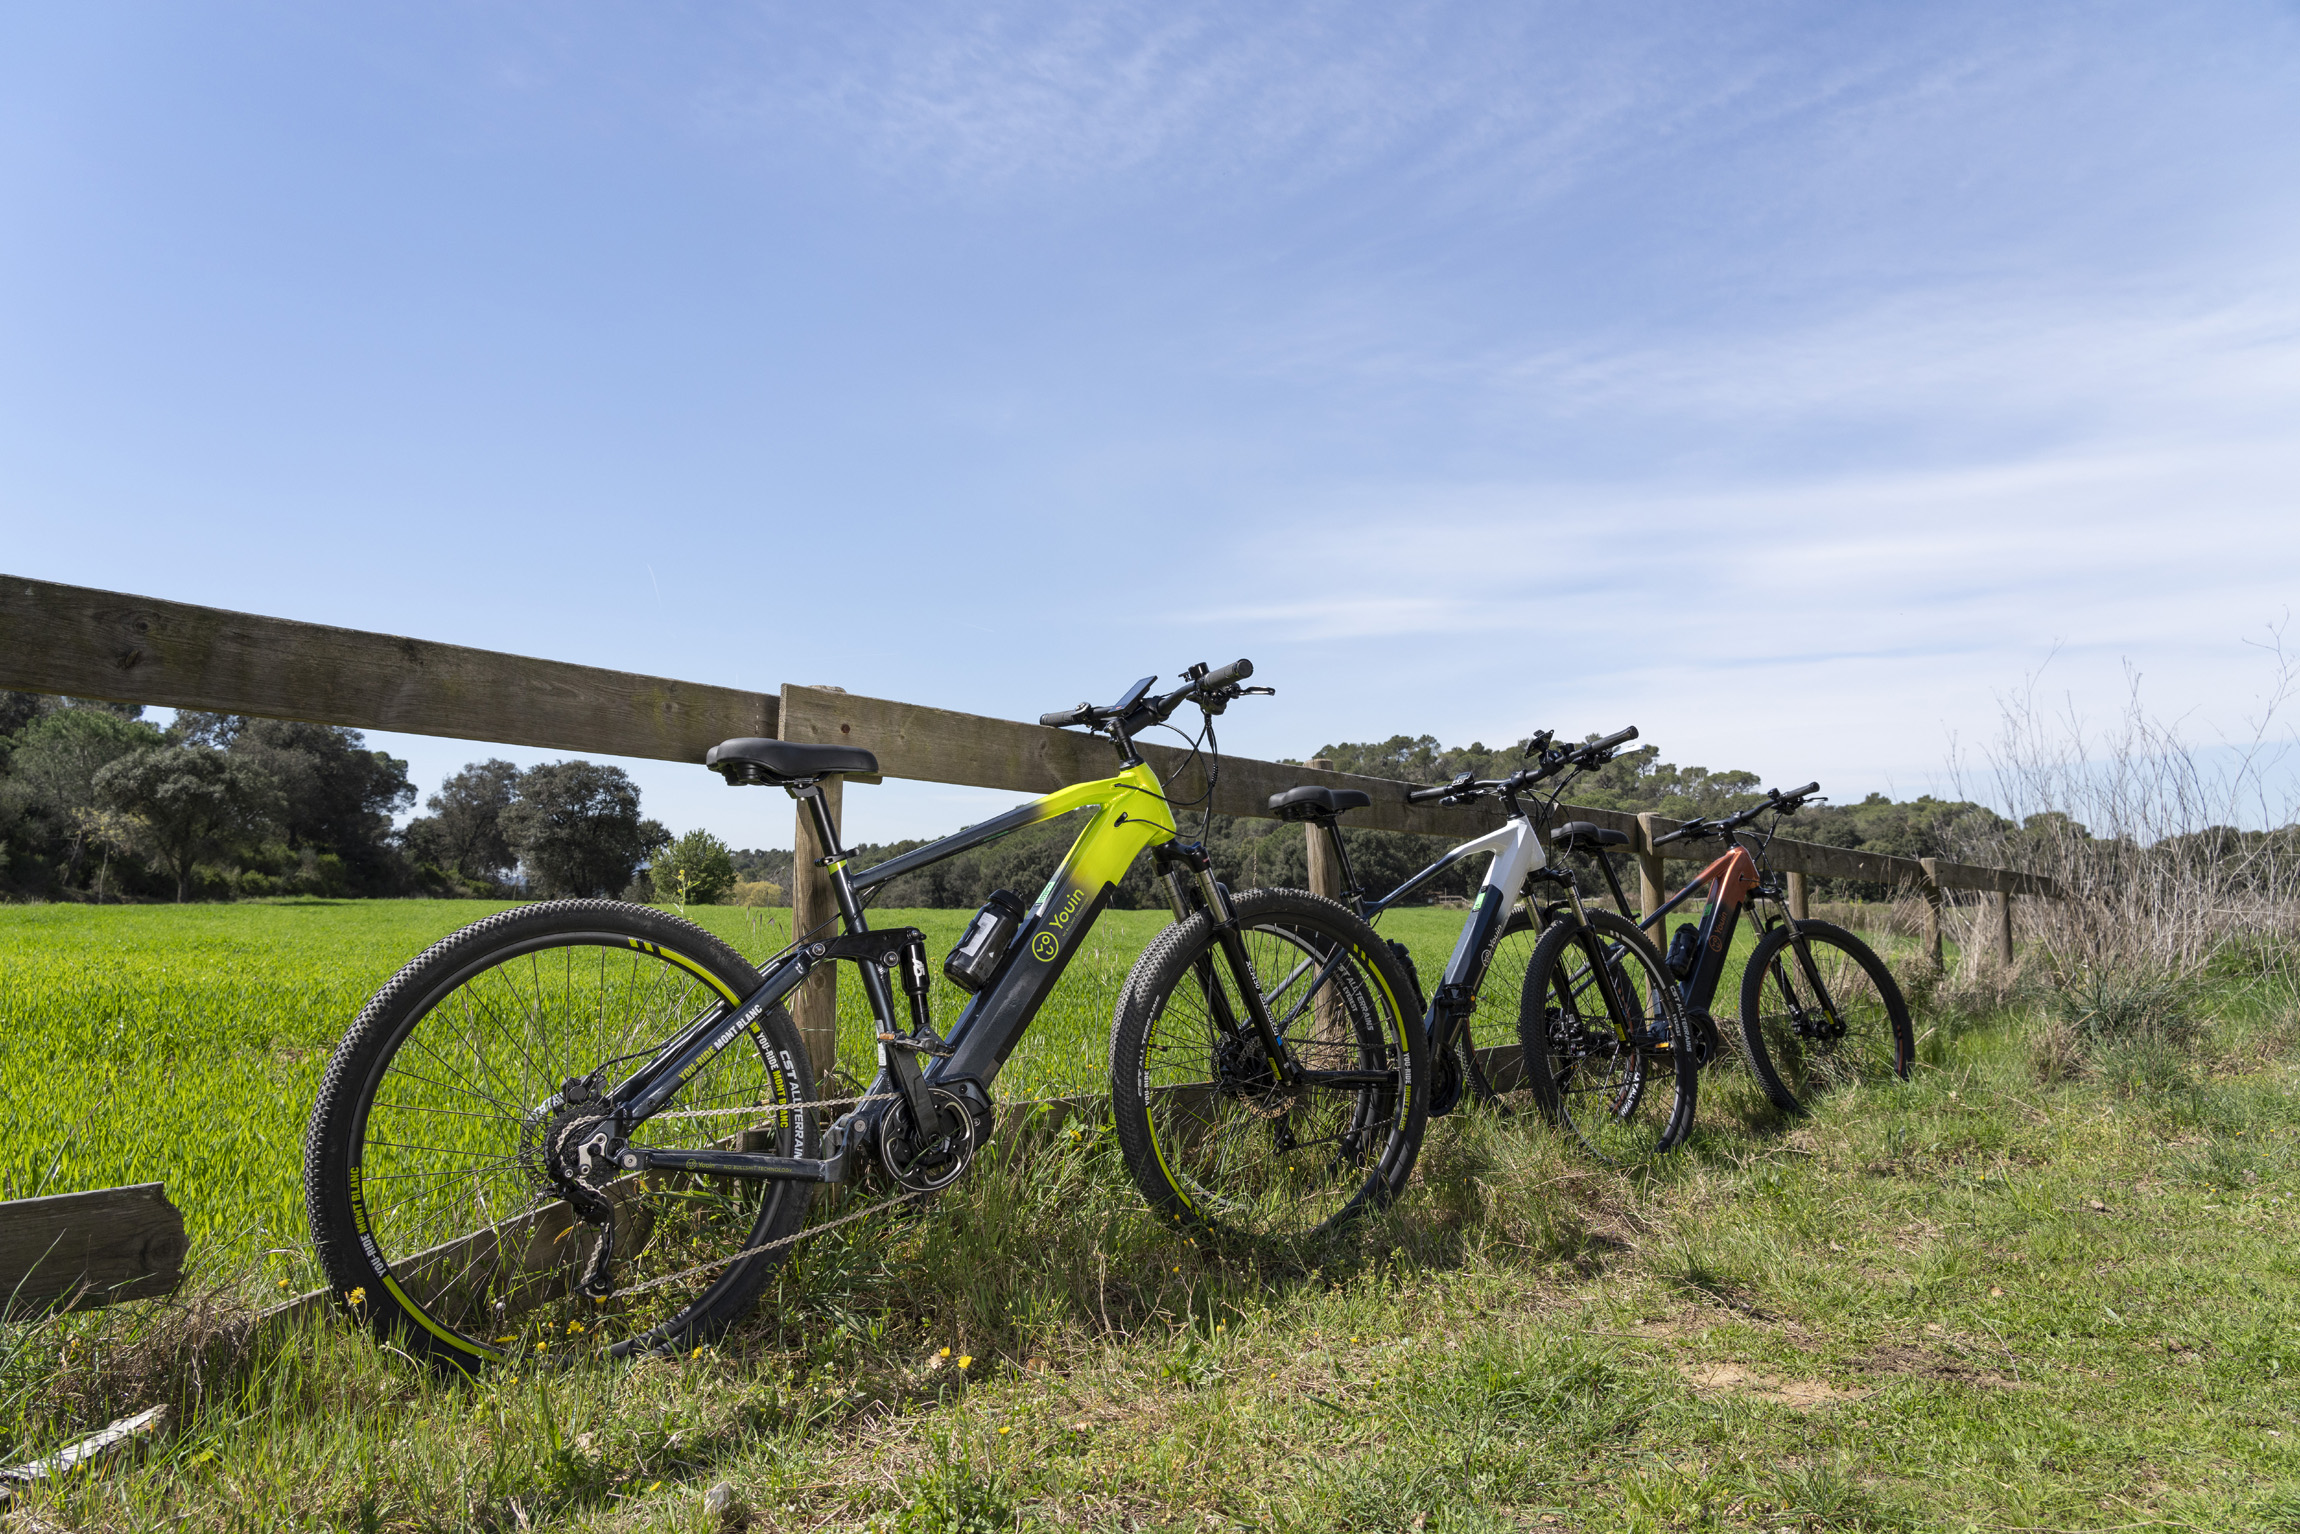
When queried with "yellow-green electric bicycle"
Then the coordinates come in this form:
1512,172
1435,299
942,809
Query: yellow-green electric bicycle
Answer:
585,1124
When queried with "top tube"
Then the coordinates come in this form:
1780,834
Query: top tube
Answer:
1140,782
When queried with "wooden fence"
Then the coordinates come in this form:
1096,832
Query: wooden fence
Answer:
88,643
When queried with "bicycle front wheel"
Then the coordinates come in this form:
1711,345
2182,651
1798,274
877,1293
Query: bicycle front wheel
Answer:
1493,1021
1605,1043
1819,1010
437,1162
1214,1133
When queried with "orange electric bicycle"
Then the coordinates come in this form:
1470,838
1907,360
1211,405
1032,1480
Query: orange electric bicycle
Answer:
1819,1009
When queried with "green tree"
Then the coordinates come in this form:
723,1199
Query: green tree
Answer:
577,829
52,771
335,795
189,803
464,834
697,869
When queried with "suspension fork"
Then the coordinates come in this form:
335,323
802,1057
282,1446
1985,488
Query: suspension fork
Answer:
1192,888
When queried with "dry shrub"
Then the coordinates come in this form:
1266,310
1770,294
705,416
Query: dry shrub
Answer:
2174,861
98,1366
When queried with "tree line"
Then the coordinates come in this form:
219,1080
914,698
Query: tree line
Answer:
98,803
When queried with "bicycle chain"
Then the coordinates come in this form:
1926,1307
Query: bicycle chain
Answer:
783,1241
796,1236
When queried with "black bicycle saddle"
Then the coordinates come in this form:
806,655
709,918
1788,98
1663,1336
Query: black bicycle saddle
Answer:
752,759
1581,836
1313,802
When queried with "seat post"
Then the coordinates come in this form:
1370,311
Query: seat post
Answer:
827,833
826,829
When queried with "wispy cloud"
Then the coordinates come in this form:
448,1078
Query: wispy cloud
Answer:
1286,96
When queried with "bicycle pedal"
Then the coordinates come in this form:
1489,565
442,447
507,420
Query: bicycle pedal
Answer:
928,1045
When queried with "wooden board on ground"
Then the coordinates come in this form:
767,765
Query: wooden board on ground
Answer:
76,1251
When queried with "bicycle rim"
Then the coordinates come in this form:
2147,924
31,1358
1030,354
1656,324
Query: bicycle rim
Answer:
460,1117
1233,1148
1822,1020
1619,1070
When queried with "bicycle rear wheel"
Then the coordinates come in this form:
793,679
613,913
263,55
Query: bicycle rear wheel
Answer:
1819,1010
1605,1042
435,1162
1212,1135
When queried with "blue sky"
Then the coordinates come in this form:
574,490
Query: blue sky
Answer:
1790,380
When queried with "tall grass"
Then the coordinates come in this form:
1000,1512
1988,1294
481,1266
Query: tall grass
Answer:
2172,857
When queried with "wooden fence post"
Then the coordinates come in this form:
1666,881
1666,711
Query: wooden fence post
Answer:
815,1004
2003,900
1649,878
1325,874
1930,888
1800,898
1326,880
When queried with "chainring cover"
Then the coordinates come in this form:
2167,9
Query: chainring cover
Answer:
929,1162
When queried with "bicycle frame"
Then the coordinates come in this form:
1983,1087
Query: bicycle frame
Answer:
1730,881
1518,856
1132,815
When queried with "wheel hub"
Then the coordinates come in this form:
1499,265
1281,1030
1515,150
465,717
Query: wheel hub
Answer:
565,1150
1810,1026
1242,1067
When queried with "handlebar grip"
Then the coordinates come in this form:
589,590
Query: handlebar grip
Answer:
1799,793
1061,717
1616,739
1223,676
1425,795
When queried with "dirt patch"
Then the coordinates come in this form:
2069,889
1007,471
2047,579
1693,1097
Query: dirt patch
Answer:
1801,1395
1932,1364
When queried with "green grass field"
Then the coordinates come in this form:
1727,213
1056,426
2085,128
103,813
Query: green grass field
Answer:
183,1044
2045,1285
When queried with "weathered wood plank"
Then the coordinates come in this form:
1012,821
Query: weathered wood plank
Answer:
77,1251
100,644
129,649
1996,881
1809,858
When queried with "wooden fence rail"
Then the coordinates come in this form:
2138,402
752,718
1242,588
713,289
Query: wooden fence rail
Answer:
83,642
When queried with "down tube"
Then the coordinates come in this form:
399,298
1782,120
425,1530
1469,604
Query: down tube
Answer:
1052,933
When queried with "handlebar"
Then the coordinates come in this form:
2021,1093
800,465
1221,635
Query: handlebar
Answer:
1463,785
1223,676
1211,689
1549,762
1775,800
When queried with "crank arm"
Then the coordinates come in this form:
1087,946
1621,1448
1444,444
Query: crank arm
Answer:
748,1164
1347,1078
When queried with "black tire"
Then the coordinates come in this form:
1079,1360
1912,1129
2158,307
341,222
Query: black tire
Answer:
427,1144
1219,1146
1493,1018
1827,1017
1614,1070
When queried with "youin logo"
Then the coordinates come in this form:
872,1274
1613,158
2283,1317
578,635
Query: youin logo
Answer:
1048,943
